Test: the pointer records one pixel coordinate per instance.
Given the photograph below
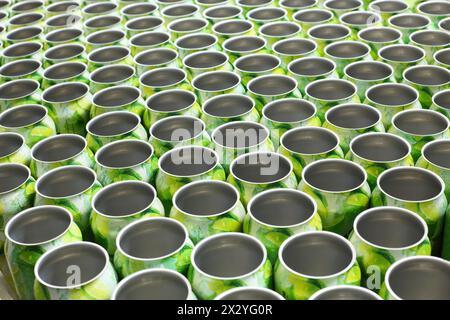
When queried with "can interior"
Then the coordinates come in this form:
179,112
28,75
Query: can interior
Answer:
360,18
27,5
294,46
289,110
116,96
9,143
421,122
441,8
139,8
64,52
392,94
391,6
382,34
431,38
240,134
261,168
102,22
149,39
186,25
380,147
250,294
23,116
153,285
62,7
63,20
155,57
428,75
329,32
445,24
163,77
233,27
18,89
272,85
309,140
144,23
216,81
65,92
368,71
188,161
12,176
410,184
64,35
253,3
109,54
65,182
105,36
229,256
311,66
279,29
317,255
282,207
334,175
177,128
59,148
180,10
204,60
112,124
391,228
257,63
410,21
26,18
443,99
343,4
196,41
54,267
313,16
401,53
353,116
171,101
100,8
65,70
222,12
421,279
228,106
21,49
438,153
443,56
39,225
152,239
270,13
123,198
331,89
124,154
112,74
24,33
244,44
298,4
210,2
346,293
206,198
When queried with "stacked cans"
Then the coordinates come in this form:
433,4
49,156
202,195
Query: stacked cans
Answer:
218,149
